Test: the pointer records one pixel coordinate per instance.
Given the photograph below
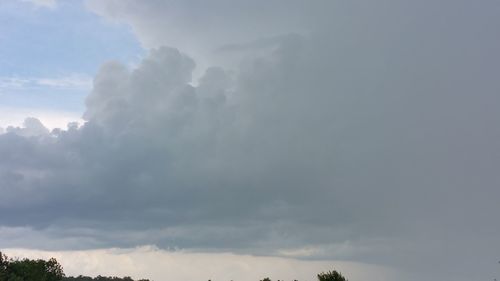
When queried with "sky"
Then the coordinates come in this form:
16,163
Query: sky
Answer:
234,140
49,54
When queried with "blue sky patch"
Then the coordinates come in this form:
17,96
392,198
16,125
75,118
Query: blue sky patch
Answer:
48,56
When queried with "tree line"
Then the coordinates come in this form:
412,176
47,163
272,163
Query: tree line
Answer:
51,270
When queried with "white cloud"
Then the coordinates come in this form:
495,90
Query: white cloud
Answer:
72,82
43,3
31,127
15,116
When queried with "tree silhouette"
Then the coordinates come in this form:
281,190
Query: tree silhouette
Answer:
331,276
30,270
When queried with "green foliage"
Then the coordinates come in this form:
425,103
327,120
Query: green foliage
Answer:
331,276
3,267
30,270
41,270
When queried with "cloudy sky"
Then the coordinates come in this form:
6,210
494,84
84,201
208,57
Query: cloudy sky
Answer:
234,140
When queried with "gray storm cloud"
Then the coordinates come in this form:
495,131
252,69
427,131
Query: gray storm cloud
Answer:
372,136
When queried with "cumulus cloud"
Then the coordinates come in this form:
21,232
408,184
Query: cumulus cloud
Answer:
371,137
31,127
51,119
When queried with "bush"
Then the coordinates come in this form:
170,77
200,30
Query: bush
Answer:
331,276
